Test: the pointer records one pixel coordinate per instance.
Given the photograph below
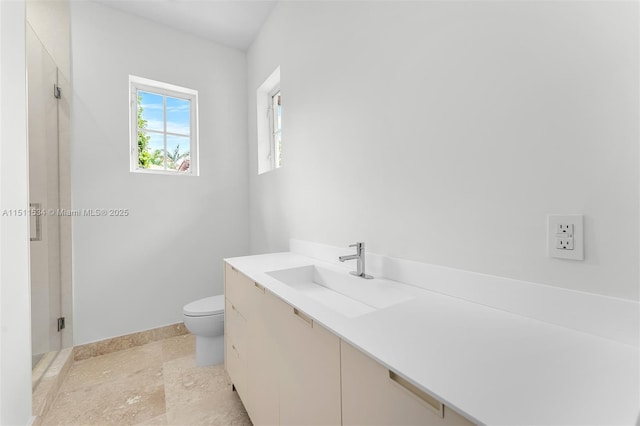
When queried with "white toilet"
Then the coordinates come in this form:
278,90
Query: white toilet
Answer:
205,319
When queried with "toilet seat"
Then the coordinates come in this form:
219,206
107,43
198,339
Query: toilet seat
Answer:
208,306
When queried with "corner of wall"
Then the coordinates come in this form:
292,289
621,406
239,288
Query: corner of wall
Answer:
15,321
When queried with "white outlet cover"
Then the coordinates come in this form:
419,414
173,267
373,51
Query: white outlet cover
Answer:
553,225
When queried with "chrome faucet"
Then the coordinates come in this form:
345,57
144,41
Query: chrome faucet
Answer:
359,256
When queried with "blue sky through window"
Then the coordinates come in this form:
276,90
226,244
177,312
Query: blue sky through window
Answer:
156,109
152,110
178,116
178,113
156,141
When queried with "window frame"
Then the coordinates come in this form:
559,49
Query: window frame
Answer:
137,84
273,152
264,123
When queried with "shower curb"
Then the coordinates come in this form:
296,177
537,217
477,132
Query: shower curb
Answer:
46,389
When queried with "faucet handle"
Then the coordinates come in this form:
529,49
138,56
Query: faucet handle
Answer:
359,246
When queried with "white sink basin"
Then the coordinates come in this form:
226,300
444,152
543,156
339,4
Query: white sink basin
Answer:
346,294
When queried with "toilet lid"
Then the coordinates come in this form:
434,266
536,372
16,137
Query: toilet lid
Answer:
207,306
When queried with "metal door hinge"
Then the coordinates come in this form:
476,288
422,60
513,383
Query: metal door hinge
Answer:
57,93
60,323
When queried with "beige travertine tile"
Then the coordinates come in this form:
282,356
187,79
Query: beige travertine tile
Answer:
42,396
218,408
187,383
114,366
123,342
128,341
51,380
124,401
161,420
201,395
61,364
41,368
168,331
178,347
83,351
153,384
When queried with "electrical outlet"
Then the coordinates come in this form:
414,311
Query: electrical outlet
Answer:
564,230
565,237
564,243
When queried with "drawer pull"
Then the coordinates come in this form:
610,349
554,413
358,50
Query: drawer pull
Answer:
433,403
258,286
303,317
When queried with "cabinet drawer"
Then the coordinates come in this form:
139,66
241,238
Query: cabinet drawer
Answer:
236,286
235,331
374,395
236,367
235,327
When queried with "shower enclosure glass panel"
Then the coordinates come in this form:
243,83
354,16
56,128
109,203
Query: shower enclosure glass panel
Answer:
44,197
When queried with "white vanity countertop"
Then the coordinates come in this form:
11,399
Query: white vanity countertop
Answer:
492,366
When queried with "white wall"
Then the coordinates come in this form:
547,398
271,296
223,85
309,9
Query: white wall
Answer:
15,318
136,273
50,21
445,132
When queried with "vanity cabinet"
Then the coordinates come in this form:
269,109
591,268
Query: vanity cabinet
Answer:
374,395
285,366
290,370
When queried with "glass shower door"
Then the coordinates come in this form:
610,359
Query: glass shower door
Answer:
44,198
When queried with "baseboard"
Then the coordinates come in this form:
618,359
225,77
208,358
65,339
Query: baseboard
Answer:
127,341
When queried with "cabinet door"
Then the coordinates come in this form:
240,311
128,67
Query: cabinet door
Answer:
364,393
372,395
262,359
309,369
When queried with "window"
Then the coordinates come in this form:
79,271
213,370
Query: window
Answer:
276,129
164,128
269,122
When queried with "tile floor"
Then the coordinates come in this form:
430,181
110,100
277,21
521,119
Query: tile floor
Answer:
154,384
